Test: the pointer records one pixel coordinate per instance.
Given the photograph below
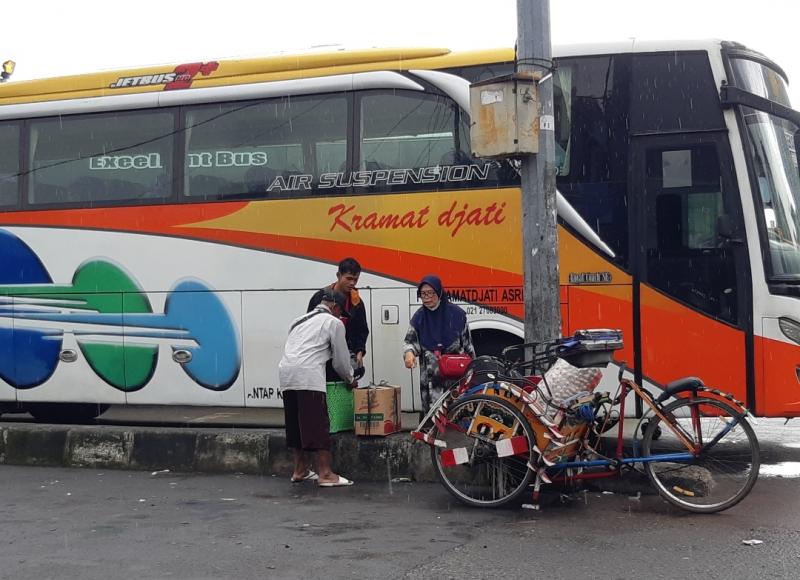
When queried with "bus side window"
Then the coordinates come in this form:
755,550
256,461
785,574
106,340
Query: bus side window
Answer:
417,141
101,158
9,164
259,179
272,147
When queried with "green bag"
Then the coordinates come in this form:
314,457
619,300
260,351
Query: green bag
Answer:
340,407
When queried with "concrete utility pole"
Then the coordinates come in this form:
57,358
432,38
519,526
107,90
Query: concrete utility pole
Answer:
539,234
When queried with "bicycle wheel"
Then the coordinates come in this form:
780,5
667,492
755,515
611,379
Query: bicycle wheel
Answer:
725,469
470,467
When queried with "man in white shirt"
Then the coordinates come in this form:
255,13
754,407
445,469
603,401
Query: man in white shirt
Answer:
314,338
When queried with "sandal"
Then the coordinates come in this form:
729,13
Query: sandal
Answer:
309,476
343,482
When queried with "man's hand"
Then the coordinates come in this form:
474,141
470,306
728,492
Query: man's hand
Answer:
410,360
360,359
353,385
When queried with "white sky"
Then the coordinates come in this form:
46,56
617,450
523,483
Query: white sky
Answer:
49,38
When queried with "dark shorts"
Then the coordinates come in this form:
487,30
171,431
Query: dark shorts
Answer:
307,424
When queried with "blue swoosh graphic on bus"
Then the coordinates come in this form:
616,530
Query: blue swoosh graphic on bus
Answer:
27,357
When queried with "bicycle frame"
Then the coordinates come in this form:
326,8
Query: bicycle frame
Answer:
626,386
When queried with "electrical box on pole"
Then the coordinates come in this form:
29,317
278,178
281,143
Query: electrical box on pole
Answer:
505,116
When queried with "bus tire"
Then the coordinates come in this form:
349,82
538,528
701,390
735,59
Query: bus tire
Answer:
491,342
66,412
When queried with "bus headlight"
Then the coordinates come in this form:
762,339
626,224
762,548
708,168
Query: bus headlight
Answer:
790,328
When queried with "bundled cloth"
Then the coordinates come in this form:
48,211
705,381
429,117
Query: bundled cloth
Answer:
566,382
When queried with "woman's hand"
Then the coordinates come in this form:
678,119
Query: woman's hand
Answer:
410,360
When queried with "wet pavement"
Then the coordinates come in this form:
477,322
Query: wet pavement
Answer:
104,523
97,524
780,447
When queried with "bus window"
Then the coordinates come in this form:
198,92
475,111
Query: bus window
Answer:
407,131
264,148
562,112
590,103
684,256
482,72
9,164
760,80
674,91
416,141
101,158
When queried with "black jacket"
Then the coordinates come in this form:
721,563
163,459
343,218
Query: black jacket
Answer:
356,330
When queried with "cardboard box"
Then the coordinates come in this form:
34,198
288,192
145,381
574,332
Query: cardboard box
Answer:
377,410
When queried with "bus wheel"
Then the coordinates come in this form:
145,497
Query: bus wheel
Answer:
491,342
66,412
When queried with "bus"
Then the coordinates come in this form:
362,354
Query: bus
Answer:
160,227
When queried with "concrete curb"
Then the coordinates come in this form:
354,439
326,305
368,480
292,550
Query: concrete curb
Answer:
249,451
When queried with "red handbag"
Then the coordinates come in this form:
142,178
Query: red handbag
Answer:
452,366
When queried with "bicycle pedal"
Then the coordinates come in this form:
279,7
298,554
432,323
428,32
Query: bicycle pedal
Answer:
687,492
684,492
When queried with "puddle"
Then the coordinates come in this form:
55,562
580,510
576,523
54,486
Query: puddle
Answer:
782,469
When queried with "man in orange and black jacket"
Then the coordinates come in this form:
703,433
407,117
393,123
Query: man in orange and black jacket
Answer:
356,330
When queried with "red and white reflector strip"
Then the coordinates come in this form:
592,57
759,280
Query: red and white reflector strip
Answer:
454,457
428,438
512,446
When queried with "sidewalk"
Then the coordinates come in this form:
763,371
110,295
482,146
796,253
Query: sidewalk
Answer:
219,440
208,449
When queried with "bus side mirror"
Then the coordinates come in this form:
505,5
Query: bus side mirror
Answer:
725,229
724,226
797,150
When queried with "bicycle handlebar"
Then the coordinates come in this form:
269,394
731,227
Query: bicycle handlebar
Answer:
532,355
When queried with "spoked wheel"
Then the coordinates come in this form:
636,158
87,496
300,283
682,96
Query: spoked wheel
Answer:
725,469
477,429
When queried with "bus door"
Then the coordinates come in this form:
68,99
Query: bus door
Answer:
389,315
691,287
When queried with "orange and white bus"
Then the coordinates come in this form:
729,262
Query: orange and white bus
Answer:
160,227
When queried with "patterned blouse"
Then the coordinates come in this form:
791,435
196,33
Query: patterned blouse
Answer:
431,384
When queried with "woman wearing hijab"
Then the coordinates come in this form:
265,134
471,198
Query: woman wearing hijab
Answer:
438,326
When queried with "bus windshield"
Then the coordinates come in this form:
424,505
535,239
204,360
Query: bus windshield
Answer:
775,162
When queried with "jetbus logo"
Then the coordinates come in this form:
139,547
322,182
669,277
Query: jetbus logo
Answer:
180,78
112,321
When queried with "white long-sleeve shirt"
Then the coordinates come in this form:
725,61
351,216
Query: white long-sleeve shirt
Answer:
309,346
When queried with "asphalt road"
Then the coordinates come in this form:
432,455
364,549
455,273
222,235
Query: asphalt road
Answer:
85,523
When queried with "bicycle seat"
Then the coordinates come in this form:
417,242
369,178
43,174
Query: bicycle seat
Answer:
679,386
